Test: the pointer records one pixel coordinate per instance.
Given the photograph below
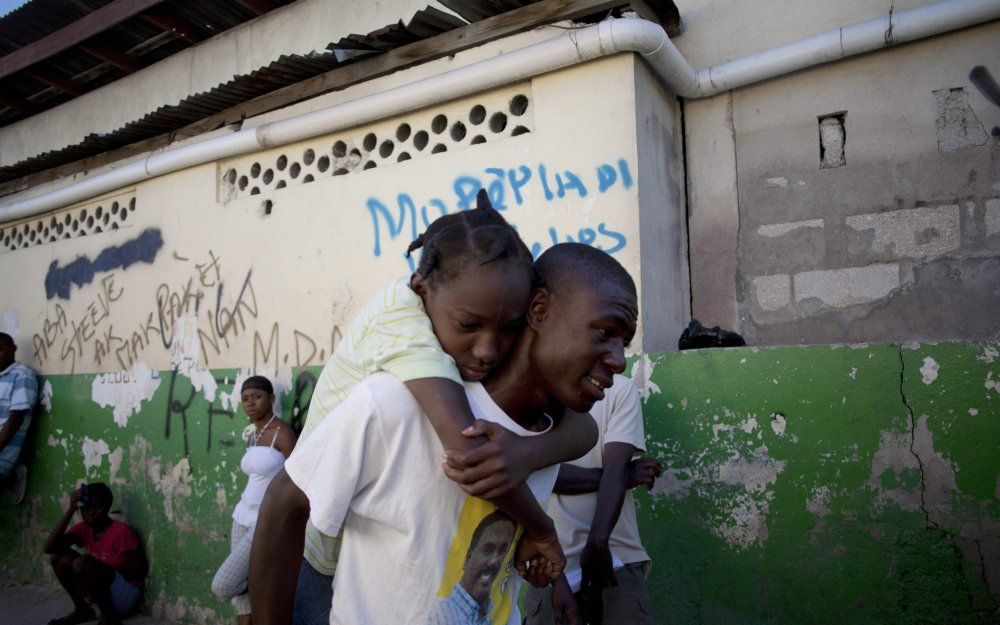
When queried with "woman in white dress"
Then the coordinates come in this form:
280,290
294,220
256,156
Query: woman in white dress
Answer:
269,441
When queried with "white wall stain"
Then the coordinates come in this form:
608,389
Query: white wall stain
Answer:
991,383
930,370
642,373
93,453
818,503
184,352
990,353
973,412
46,398
939,483
125,390
58,442
778,423
854,373
115,465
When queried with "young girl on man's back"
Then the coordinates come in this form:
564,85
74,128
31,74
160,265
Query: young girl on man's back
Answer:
455,318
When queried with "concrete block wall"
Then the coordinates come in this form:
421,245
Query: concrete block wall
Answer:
854,201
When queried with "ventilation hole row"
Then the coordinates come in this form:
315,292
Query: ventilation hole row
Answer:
444,132
67,225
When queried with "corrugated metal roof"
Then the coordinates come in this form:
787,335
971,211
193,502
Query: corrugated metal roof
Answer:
40,17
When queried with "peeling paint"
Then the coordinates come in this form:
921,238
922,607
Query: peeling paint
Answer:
642,373
93,453
990,353
818,503
778,423
46,398
125,391
991,383
115,465
929,371
894,455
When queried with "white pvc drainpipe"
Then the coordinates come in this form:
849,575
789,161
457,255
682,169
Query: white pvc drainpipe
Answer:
608,37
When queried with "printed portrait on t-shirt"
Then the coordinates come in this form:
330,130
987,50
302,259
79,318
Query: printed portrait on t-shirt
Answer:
475,589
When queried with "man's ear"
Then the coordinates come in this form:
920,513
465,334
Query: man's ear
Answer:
538,309
418,284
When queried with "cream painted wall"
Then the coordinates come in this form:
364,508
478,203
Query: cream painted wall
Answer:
308,265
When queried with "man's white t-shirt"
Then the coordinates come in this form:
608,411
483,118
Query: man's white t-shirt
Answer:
373,469
619,420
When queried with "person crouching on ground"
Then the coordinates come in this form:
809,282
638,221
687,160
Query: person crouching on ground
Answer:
112,570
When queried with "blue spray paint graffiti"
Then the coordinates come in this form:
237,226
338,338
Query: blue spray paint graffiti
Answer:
59,281
505,188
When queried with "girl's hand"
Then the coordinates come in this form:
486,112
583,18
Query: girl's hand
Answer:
494,468
643,472
540,560
563,603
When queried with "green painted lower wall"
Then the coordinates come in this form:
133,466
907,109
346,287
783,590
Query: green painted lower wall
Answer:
846,484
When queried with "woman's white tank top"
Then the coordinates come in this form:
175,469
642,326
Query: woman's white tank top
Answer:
261,464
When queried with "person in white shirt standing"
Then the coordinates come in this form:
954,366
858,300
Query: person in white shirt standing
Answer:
594,514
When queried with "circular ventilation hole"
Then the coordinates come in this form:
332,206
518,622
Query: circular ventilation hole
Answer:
52,222
438,124
243,183
98,230
340,171
339,149
478,139
385,150
99,212
268,205
519,130
294,170
255,170
59,228
323,163
268,176
403,132
114,226
403,156
123,214
45,230
114,208
458,131
68,218
477,114
308,157
282,163
370,165
255,191
420,139
281,184
439,148
90,221
498,122
307,178
370,141
73,226
106,219
131,204
82,216
231,176
518,105
31,236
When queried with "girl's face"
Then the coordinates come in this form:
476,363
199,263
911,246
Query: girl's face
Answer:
257,403
477,315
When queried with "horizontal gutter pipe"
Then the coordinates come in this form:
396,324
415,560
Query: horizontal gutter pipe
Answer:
606,38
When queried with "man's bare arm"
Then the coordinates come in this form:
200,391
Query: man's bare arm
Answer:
276,553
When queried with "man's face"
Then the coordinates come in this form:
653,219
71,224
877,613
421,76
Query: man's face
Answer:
581,341
484,560
94,513
7,350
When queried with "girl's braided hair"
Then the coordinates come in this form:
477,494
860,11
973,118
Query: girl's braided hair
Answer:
480,235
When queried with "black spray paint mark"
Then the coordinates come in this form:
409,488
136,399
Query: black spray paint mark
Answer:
983,80
59,281
305,384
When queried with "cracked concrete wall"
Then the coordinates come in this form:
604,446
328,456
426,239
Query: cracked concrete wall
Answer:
825,484
896,242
